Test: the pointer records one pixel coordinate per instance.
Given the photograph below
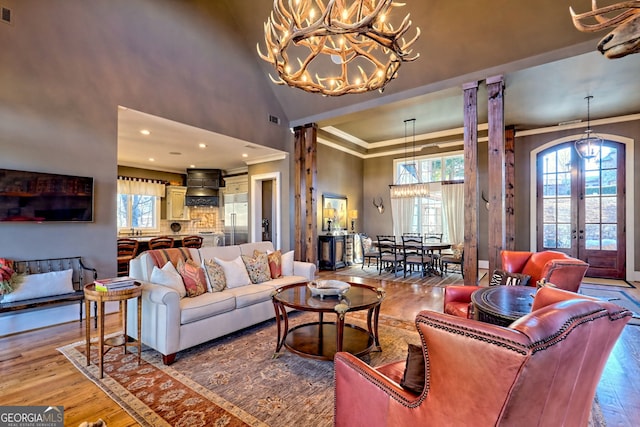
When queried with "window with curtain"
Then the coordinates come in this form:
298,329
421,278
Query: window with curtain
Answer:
441,210
138,203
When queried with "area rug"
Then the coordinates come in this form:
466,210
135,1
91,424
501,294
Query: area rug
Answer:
616,296
606,282
415,278
236,381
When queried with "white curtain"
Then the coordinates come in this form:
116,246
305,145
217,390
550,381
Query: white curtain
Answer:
402,214
453,209
140,186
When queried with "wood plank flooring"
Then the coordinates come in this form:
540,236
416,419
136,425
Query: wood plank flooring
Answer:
33,372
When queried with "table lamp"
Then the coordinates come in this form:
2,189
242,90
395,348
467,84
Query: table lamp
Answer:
329,213
354,215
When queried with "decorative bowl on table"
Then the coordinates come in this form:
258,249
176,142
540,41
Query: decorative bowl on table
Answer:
323,288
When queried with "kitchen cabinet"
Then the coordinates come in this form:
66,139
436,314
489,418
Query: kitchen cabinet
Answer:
176,207
236,184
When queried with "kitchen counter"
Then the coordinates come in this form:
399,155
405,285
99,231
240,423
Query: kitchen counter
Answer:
210,238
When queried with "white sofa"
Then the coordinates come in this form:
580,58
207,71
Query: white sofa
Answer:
171,324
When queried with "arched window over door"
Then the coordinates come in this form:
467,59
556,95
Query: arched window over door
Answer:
581,206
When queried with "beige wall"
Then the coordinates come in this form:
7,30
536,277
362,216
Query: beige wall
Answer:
340,173
65,70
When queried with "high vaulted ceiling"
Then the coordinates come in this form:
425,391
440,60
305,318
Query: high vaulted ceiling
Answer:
549,67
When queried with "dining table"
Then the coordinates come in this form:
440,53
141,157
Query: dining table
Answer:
430,248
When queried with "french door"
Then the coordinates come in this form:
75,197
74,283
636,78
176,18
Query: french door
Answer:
581,205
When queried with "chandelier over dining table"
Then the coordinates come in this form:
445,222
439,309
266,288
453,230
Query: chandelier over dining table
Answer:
341,47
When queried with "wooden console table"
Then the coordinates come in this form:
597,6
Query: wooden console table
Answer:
100,297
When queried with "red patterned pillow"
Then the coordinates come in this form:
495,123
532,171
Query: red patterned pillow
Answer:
193,277
275,264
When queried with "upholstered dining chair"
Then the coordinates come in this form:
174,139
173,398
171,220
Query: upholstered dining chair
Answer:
192,242
161,242
390,256
369,252
542,370
127,249
413,255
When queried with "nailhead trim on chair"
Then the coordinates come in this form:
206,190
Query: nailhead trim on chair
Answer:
491,339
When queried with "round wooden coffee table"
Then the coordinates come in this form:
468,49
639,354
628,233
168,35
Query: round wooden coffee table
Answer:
322,340
501,305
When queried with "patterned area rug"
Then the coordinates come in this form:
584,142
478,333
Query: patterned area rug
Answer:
606,282
232,381
236,381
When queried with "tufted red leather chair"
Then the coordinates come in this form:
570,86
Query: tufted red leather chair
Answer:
541,370
555,267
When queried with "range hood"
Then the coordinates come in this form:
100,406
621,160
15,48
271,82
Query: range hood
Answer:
202,187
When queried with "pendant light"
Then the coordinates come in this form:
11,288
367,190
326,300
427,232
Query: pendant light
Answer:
588,147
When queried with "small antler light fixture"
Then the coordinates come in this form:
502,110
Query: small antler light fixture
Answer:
588,147
336,47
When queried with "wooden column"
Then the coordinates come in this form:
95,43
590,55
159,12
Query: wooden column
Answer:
305,173
496,165
310,187
470,265
509,177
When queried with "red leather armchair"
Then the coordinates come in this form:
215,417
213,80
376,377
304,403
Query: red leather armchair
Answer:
555,267
542,370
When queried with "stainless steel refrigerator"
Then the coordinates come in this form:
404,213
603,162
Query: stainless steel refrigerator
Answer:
236,218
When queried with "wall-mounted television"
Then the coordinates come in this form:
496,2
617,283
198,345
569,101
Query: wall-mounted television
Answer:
45,197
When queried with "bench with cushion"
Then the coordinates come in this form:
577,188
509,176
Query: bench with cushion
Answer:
47,282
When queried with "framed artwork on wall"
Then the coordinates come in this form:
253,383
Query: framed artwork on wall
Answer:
334,208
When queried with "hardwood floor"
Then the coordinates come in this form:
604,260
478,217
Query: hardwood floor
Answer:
33,372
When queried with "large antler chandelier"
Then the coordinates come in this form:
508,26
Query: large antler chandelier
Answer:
345,46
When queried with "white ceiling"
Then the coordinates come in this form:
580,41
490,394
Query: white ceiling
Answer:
548,67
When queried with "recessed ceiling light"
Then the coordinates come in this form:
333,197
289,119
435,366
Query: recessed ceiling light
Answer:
145,132
192,166
202,145
245,155
151,159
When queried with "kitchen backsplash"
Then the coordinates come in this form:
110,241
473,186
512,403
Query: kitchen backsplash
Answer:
203,218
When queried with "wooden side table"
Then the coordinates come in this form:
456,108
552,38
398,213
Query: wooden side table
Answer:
100,297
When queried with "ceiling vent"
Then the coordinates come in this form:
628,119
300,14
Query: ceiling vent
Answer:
274,119
5,15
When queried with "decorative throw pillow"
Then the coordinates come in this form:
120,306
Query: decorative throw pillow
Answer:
168,276
275,264
41,285
504,278
193,278
257,267
235,272
215,275
287,263
414,374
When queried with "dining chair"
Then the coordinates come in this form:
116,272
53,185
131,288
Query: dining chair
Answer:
390,256
368,251
435,256
456,257
192,242
413,254
127,249
161,242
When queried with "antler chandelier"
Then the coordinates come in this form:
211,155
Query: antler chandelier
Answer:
338,48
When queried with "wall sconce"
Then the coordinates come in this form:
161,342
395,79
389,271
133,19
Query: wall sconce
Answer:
329,214
354,215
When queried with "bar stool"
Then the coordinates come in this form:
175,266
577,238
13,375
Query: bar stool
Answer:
161,242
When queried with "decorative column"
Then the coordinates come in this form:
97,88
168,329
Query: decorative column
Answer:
496,170
470,265
305,199
509,200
